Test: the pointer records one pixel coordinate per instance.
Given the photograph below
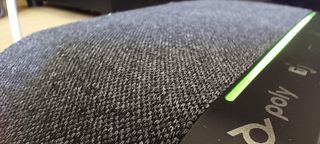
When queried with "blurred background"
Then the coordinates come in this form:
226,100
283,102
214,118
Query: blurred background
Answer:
35,15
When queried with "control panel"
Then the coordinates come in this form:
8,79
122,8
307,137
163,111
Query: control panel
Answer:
280,106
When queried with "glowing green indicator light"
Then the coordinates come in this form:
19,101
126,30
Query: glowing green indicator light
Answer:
237,90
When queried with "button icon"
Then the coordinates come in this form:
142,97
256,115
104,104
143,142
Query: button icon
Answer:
310,47
301,70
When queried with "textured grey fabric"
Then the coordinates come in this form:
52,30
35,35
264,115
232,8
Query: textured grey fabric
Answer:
141,76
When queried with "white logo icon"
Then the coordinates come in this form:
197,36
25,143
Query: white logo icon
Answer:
245,131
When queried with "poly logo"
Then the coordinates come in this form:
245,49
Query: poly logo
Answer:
279,100
245,131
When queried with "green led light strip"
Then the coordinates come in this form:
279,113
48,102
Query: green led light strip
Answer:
237,90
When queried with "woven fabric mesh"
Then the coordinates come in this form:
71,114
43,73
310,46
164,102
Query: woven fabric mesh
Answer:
141,76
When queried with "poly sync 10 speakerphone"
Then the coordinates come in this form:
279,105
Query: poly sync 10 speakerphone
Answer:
276,101
189,72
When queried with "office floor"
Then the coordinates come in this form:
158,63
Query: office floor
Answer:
36,19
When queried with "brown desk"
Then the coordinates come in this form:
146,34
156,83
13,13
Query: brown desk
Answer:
100,6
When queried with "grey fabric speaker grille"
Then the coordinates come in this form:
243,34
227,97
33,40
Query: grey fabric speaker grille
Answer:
141,76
